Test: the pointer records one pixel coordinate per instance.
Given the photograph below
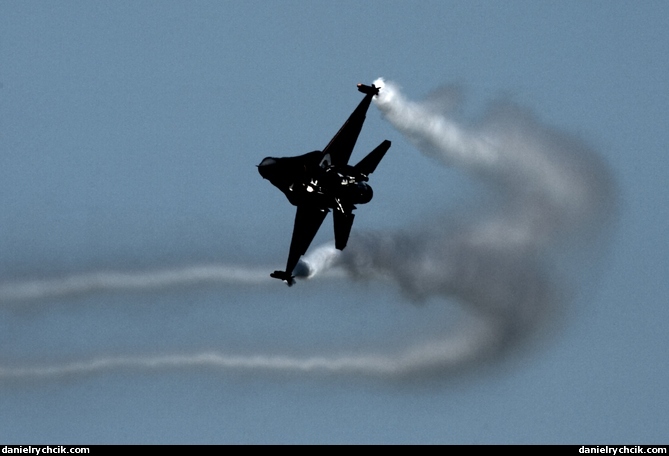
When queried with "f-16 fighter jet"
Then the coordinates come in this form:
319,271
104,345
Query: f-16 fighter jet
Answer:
320,181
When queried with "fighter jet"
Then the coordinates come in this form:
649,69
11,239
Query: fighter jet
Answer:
320,181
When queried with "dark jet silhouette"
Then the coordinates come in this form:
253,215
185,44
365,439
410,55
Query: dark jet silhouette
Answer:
322,180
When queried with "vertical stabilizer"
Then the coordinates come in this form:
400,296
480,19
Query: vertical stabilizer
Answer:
368,164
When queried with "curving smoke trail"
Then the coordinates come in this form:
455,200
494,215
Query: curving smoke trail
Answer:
551,198
506,262
503,261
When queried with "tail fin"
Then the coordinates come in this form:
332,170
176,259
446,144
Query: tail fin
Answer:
283,275
368,164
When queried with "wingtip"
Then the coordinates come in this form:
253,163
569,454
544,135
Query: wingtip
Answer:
369,90
283,275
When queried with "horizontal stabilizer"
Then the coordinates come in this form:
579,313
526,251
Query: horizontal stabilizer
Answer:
368,164
368,89
342,228
283,275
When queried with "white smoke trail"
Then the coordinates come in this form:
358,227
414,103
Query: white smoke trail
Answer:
316,263
395,365
321,261
550,193
530,163
112,281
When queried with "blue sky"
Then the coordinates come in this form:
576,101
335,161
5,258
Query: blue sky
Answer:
129,135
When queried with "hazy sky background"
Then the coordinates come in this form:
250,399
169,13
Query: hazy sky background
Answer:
129,135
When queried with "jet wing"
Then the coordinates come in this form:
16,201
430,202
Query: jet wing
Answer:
340,148
308,219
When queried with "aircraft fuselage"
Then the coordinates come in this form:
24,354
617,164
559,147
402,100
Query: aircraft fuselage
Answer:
304,181
320,181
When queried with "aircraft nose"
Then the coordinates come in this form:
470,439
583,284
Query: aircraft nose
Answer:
265,166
